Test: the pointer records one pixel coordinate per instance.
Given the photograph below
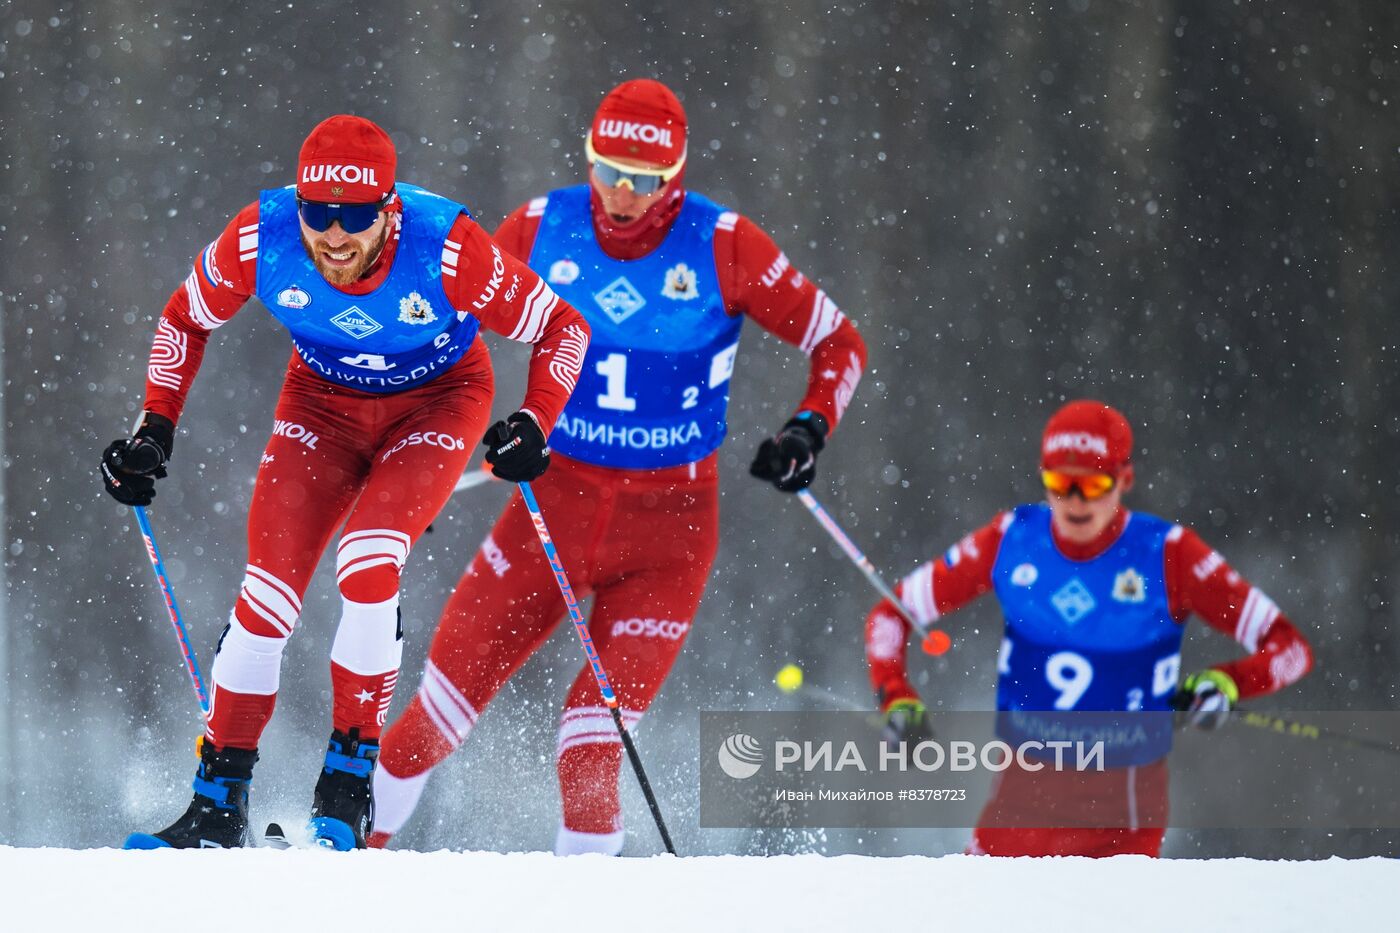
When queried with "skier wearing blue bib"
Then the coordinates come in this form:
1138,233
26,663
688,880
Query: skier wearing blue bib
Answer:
383,288
1095,598
666,278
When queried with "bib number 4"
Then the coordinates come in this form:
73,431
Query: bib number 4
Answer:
368,361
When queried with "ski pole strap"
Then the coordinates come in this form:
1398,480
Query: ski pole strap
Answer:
172,608
551,554
858,558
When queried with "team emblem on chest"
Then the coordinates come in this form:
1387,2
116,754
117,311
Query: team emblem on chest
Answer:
563,272
619,300
293,297
415,309
1129,587
1073,601
680,283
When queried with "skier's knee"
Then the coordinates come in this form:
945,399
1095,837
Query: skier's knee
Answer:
368,564
369,639
267,606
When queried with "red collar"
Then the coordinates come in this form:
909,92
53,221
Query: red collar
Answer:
1102,542
642,235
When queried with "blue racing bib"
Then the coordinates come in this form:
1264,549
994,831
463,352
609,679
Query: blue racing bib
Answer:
401,335
1088,635
655,383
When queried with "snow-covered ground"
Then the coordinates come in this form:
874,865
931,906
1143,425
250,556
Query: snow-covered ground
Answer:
60,890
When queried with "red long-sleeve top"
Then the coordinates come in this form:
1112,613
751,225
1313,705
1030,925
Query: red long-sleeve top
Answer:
225,276
1199,582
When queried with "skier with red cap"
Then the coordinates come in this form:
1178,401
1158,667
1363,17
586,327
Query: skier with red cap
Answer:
666,278
1095,599
383,287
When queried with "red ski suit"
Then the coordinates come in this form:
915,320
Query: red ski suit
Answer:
640,541
1198,582
382,465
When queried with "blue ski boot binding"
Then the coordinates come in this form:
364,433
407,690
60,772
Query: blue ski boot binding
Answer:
342,815
217,817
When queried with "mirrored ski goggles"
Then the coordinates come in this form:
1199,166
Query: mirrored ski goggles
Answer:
353,218
640,180
1091,486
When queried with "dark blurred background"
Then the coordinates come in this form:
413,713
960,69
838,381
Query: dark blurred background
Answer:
1185,208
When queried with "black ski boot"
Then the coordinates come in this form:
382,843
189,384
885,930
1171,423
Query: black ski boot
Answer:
342,815
217,817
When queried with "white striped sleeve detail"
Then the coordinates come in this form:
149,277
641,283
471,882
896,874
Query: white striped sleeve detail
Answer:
536,207
251,228
727,220
916,591
592,725
538,306
271,599
169,351
568,359
826,317
374,547
451,253
248,245
199,309
1258,614
1286,667
446,706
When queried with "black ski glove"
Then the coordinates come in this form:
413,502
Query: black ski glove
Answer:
789,461
131,465
516,449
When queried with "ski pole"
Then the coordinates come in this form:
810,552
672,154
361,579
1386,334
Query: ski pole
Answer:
171,607
594,662
1302,730
935,641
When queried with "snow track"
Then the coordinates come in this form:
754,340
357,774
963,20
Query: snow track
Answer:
60,889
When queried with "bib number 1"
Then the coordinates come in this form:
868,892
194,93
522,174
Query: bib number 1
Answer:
613,368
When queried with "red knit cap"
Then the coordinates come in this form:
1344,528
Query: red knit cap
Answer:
1088,434
346,160
640,119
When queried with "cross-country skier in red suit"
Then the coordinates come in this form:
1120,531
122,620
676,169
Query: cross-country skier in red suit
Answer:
1095,599
666,278
383,287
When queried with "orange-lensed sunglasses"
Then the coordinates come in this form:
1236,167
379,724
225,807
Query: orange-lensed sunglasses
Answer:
1091,486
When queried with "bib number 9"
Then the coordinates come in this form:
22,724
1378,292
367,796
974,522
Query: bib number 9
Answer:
1070,674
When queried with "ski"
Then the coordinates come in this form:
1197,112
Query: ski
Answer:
275,838
324,834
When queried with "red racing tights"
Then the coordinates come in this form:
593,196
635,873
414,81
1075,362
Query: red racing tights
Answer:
1117,811
641,542
384,465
